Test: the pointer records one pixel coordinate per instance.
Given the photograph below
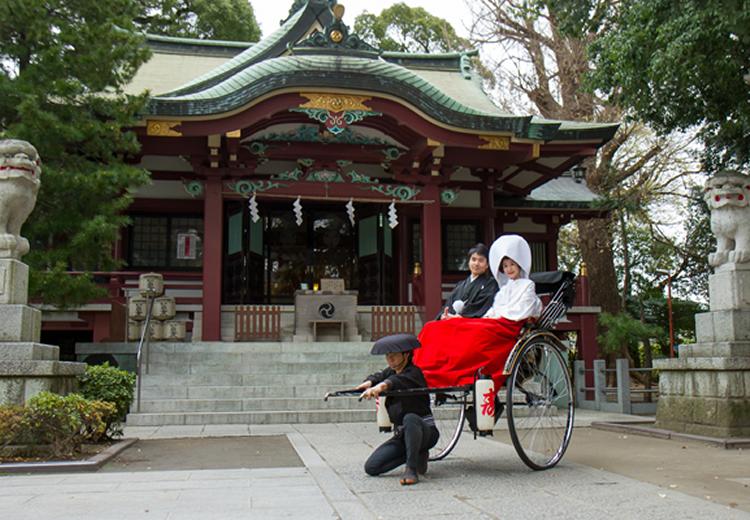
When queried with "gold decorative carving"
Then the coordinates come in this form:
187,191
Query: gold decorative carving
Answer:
338,11
234,134
336,36
433,144
335,102
495,142
535,150
163,128
214,141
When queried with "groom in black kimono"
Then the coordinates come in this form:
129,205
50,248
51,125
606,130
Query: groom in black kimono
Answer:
473,296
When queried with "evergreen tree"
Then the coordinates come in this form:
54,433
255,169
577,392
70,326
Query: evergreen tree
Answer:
681,64
401,28
63,65
207,19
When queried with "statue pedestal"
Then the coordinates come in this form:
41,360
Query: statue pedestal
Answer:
706,390
27,367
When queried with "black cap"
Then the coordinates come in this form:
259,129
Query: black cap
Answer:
395,343
480,249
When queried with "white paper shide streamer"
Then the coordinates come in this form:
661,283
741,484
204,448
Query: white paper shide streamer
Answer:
297,211
392,216
254,215
350,210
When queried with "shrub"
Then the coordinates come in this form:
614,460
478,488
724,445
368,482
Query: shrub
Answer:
64,423
12,425
106,383
97,419
55,421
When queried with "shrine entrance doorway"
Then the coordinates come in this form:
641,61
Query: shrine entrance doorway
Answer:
268,260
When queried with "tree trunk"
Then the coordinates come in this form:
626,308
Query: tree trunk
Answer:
596,250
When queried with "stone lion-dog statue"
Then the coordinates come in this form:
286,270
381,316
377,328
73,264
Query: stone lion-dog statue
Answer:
727,195
20,172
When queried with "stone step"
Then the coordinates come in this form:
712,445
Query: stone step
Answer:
237,392
260,347
257,404
279,369
258,379
13,351
197,358
270,417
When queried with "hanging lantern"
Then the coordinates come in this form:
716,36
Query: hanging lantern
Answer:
350,210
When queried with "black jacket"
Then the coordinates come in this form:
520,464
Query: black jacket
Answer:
477,296
410,377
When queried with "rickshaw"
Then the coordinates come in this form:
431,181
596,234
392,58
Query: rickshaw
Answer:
538,391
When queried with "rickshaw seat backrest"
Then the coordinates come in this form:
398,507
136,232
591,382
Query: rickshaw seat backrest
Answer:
561,285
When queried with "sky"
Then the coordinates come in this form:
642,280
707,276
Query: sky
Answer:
268,13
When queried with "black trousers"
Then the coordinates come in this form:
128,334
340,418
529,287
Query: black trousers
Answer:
414,438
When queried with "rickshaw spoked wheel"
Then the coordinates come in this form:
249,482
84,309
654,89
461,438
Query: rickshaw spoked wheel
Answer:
540,403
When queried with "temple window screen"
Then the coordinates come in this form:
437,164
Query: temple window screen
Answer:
458,238
166,242
538,257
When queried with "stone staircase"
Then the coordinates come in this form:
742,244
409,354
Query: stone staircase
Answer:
253,383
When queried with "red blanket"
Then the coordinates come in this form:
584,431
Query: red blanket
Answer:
452,350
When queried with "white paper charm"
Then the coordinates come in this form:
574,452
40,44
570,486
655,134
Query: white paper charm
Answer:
254,215
350,210
392,216
298,211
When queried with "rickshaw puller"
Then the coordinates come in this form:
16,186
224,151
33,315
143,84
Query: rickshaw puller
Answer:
415,431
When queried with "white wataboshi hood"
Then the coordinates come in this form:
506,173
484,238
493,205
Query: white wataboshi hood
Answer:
515,248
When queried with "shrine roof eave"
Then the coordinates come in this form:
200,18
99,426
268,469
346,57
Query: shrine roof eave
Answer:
590,207
364,75
562,193
197,42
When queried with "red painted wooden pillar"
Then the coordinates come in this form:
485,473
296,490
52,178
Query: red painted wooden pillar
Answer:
432,267
404,271
488,205
213,227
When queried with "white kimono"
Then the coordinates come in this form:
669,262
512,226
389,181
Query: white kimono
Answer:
516,300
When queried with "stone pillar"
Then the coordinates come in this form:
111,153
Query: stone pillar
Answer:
706,390
27,367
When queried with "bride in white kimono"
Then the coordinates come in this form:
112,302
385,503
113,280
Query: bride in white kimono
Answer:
510,263
454,349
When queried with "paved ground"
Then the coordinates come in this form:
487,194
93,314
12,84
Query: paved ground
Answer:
483,478
272,451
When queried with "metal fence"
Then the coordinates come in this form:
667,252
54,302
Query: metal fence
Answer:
625,397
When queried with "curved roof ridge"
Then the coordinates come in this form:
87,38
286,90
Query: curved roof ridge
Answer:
243,60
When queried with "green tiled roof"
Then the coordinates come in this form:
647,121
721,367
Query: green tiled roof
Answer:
441,85
336,71
269,47
562,193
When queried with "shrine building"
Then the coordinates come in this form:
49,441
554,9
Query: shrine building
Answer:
311,155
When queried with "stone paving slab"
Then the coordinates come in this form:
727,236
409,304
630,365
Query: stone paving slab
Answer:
226,494
482,479
485,479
